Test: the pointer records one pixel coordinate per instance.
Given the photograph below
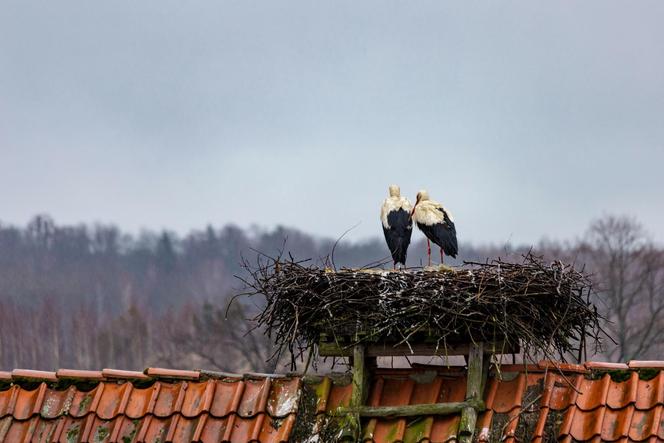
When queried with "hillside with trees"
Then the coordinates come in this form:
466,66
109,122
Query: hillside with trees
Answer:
91,297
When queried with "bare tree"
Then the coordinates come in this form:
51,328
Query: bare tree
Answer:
629,269
217,339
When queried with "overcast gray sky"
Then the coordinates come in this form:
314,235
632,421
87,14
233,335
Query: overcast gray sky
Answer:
524,118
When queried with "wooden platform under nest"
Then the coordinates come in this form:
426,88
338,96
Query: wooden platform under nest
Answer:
329,347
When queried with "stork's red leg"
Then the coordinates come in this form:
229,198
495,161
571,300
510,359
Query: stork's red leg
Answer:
441,256
429,250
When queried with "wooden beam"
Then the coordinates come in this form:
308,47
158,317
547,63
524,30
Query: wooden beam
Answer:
332,349
412,410
350,425
473,392
360,377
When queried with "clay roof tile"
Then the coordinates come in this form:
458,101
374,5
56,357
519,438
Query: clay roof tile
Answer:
29,374
173,373
549,402
646,364
78,374
124,375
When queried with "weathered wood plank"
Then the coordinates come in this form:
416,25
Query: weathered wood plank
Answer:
332,349
351,426
360,377
412,410
473,392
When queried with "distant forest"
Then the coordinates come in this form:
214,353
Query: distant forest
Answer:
91,297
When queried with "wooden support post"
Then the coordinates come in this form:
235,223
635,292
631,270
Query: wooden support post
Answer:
486,365
473,392
360,378
352,426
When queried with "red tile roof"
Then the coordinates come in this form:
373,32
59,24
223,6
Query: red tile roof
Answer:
595,402
583,403
172,408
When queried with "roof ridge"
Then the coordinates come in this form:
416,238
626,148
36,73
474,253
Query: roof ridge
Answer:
276,398
150,373
265,407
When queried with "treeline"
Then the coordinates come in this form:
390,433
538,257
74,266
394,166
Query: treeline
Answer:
90,297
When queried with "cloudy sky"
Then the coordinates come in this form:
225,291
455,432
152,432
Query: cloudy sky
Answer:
524,118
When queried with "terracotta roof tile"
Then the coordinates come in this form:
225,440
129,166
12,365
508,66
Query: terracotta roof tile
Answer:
8,400
34,375
125,375
522,405
508,395
606,365
173,373
563,391
77,374
389,430
646,364
323,388
174,408
445,429
213,429
584,425
339,396
155,429
254,399
567,367
18,431
538,406
645,424
593,393
622,394
451,390
28,402
169,398
141,401
85,401
393,392
226,397
427,392
650,393
56,402
197,398
277,429
284,397
113,400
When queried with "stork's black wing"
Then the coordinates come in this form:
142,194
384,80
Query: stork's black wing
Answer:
443,234
398,234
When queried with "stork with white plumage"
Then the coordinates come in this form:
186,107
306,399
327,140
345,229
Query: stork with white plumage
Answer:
437,225
397,224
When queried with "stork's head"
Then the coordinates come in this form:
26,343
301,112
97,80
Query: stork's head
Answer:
422,196
395,191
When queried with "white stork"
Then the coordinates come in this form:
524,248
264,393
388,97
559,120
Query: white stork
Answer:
437,225
397,224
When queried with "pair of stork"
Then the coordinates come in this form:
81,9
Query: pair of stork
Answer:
435,222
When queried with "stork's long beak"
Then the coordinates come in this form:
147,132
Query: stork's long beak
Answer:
417,202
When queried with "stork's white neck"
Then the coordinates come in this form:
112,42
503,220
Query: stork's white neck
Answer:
393,204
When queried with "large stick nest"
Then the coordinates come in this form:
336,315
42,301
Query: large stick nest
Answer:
545,309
